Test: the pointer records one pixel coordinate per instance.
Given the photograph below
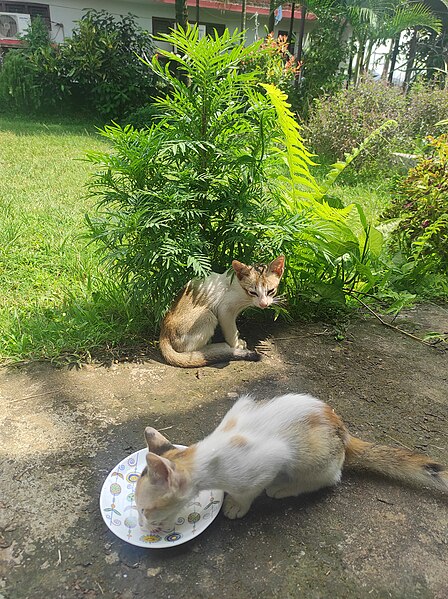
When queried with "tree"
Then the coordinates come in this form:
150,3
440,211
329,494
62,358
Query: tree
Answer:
377,21
428,54
181,13
243,14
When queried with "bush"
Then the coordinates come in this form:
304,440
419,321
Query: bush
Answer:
17,83
421,205
428,106
341,122
101,64
29,80
173,198
274,64
97,71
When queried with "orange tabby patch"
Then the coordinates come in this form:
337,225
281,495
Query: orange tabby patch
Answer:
231,423
183,458
238,441
336,422
314,420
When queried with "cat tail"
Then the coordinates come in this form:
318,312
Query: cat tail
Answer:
210,354
399,464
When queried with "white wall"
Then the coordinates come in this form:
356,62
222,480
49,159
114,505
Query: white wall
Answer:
65,13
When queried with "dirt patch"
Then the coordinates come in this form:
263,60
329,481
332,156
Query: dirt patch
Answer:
63,430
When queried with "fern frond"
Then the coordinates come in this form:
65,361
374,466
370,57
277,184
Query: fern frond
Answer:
297,157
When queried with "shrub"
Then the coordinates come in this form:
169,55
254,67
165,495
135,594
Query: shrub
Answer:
428,105
421,205
341,122
17,83
102,66
274,64
97,71
29,80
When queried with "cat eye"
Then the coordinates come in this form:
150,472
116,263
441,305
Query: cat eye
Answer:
271,291
254,293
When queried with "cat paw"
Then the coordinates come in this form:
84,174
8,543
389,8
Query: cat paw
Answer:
241,344
276,492
233,509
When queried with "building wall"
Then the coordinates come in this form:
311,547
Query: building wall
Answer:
65,13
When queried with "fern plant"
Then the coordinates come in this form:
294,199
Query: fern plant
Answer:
338,254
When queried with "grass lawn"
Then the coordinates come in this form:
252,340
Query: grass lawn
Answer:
57,301
54,295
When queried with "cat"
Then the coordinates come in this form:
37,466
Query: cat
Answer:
289,445
191,321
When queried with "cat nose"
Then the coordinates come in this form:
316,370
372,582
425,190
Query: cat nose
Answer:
263,303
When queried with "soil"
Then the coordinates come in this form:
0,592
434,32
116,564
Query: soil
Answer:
62,430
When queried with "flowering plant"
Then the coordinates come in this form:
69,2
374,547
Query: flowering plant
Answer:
274,63
422,207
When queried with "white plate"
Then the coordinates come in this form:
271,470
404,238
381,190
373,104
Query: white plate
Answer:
120,512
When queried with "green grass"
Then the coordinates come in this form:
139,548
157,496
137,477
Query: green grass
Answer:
371,189
55,298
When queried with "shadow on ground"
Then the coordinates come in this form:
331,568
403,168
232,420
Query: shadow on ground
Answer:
63,430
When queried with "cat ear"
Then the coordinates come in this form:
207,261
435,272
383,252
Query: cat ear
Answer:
277,266
156,442
240,269
159,469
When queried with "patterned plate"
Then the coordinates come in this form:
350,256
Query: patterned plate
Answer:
120,512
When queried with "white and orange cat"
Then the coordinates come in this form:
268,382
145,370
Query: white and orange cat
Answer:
290,445
189,325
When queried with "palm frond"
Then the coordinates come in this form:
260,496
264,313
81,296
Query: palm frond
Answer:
413,15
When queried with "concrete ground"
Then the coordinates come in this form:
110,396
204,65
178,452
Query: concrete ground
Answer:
62,430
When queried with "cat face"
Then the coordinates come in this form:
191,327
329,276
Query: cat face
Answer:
260,281
163,487
158,495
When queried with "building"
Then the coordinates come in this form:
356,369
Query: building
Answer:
156,16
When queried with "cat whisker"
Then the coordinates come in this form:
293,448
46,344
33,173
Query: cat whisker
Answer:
279,300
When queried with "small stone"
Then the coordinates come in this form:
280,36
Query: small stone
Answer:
112,558
151,572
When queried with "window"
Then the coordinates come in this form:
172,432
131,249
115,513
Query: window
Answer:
209,27
34,10
160,25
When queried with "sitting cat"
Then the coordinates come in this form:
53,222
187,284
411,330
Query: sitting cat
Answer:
191,321
289,445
